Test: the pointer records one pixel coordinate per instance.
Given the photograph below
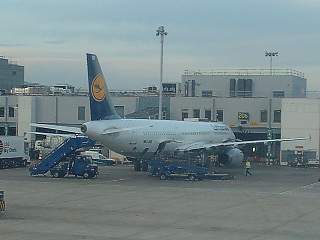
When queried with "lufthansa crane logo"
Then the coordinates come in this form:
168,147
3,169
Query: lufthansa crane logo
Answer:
98,88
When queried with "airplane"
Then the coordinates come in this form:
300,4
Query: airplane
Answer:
145,138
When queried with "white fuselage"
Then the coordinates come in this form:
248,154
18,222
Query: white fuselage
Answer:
142,137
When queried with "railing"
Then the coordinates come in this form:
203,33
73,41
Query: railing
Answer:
245,72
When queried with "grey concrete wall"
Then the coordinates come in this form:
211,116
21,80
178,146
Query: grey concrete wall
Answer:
230,107
26,115
129,103
61,109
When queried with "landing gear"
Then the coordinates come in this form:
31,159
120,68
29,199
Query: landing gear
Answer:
163,176
137,166
141,165
144,166
86,175
192,177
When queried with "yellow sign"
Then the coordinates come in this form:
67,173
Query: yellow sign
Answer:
98,88
243,116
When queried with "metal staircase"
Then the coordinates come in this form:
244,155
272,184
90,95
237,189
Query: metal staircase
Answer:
67,147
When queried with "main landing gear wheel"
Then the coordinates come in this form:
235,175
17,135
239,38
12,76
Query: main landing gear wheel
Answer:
192,177
86,175
56,175
163,176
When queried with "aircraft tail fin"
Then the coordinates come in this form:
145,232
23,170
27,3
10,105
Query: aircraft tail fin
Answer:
100,101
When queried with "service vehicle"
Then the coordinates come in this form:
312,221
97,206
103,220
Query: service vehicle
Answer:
12,152
173,170
77,166
99,158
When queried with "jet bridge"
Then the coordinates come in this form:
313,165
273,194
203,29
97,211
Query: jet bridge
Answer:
67,147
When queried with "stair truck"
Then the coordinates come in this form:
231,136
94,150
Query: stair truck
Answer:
63,160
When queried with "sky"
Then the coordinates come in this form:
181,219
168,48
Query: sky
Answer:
50,38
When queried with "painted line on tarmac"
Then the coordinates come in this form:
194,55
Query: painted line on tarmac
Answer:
305,187
118,180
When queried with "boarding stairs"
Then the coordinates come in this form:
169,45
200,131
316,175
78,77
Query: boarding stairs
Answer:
66,148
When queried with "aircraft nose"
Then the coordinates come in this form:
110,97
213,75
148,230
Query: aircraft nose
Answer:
90,129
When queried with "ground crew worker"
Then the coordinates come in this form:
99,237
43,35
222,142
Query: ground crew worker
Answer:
248,167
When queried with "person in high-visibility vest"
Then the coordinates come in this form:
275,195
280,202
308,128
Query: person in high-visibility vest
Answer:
248,167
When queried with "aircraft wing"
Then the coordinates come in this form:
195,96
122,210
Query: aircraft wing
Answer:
206,145
74,130
52,134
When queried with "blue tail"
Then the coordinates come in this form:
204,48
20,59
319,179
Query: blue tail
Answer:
100,102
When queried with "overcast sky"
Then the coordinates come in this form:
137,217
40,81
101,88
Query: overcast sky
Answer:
50,38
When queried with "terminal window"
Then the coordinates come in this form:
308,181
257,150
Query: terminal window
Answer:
120,110
244,87
11,112
277,116
12,131
263,116
184,115
164,115
232,87
207,93
81,113
1,111
196,113
207,114
278,94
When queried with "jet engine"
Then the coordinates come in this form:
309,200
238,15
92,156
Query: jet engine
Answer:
231,157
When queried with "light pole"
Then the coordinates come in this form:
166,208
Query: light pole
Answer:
271,54
269,132
161,32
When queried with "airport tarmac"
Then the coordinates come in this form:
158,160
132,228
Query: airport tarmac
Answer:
274,203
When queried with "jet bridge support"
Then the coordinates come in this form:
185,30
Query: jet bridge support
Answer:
67,147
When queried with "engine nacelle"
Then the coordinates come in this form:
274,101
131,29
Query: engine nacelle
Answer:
231,157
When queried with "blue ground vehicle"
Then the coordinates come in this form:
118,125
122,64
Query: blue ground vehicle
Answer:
177,170
77,166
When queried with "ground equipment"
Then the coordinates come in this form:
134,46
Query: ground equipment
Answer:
77,166
66,148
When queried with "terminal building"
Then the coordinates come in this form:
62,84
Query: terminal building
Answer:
249,101
11,74
287,83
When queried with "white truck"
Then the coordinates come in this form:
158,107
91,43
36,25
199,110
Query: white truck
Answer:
99,159
12,152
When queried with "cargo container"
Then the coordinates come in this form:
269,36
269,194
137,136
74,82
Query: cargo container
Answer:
12,152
